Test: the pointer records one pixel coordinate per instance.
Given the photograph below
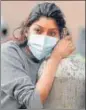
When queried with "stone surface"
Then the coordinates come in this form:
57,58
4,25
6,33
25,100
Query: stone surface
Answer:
68,90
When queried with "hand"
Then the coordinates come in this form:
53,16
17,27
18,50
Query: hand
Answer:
64,48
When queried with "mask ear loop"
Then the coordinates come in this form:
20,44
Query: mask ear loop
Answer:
14,32
17,29
19,41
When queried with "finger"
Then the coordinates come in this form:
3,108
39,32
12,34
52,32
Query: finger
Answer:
68,38
71,44
72,48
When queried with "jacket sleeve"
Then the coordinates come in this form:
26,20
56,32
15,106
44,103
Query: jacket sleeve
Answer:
15,81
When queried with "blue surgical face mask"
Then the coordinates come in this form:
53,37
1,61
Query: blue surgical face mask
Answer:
41,46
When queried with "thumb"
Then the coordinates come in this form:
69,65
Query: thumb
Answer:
68,38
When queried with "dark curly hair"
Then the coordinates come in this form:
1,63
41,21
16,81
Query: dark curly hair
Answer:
44,9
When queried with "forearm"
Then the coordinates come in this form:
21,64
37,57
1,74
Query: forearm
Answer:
45,82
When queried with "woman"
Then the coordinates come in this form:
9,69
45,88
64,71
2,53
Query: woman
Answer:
41,38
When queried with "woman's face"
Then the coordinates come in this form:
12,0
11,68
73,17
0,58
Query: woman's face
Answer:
44,26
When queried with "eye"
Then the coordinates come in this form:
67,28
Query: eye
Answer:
53,34
37,30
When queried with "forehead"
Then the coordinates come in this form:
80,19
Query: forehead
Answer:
46,22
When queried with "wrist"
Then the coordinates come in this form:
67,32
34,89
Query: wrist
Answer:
56,58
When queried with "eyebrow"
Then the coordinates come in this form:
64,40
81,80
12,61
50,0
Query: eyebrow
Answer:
49,29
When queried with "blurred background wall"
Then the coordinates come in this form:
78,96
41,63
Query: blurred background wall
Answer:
14,12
